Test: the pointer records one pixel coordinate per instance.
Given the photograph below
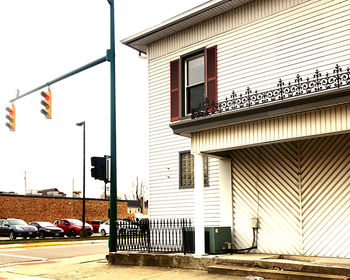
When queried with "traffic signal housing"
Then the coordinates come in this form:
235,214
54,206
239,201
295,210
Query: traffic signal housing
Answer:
11,124
47,103
100,168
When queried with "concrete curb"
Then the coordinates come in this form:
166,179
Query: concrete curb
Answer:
262,261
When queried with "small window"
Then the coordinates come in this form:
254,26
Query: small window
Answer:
194,83
187,170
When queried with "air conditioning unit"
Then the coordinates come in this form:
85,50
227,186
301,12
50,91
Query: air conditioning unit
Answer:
217,240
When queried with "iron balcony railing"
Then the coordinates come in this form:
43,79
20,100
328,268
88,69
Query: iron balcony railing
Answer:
283,91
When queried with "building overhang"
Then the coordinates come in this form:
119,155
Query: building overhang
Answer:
203,12
295,105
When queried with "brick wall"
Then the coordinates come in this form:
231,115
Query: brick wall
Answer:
29,208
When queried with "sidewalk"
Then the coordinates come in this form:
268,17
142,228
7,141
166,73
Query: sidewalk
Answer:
96,267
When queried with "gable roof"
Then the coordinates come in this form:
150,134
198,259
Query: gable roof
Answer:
180,22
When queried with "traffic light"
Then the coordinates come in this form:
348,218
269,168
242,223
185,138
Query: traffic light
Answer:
11,117
100,168
47,103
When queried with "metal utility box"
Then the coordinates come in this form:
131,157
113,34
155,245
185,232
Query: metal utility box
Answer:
188,239
217,240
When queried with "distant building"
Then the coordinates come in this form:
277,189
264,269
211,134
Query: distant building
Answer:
76,194
52,192
134,206
34,193
137,206
12,193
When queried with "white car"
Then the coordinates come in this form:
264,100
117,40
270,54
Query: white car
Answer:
104,228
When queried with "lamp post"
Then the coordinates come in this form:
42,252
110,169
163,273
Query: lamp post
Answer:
83,228
112,243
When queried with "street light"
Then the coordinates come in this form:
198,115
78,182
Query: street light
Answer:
83,231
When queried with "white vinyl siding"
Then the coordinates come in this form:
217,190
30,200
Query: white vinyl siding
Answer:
308,35
237,17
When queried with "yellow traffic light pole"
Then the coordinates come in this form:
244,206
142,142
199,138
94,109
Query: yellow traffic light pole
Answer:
110,56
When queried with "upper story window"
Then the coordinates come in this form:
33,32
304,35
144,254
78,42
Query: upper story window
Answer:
193,80
194,88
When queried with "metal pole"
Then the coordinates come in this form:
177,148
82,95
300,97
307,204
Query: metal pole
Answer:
105,190
113,187
84,176
25,182
83,218
76,71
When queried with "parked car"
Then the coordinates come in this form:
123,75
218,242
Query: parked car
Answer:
47,229
104,229
95,224
72,227
124,226
14,228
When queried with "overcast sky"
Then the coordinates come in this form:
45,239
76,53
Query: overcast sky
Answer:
43,39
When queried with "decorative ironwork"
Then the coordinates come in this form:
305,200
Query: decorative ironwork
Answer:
283,91
153,235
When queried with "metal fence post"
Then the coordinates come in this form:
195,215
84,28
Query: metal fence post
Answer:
148,236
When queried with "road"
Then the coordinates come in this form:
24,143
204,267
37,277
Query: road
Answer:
6,238
47,253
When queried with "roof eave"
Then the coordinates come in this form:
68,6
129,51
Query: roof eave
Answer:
134,41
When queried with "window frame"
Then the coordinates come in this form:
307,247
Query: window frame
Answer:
183,79
180,171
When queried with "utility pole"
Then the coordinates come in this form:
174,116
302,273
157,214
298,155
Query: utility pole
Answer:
25,181
72,187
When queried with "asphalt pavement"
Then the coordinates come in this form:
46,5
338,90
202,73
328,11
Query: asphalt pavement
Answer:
19,238
81,260
16,253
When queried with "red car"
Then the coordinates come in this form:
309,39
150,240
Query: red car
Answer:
72,227
95,224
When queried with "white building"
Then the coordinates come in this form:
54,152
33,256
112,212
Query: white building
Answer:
281,154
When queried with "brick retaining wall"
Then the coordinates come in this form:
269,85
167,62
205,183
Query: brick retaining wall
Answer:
31,208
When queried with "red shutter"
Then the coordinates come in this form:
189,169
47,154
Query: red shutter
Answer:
211,79
174,90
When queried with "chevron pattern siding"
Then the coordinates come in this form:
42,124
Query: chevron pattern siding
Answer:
265,184
300,191
325,181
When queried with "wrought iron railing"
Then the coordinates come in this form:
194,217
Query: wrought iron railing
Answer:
282,92
166,235
133,235
153,235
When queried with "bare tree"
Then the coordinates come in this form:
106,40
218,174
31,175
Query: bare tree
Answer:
139,191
